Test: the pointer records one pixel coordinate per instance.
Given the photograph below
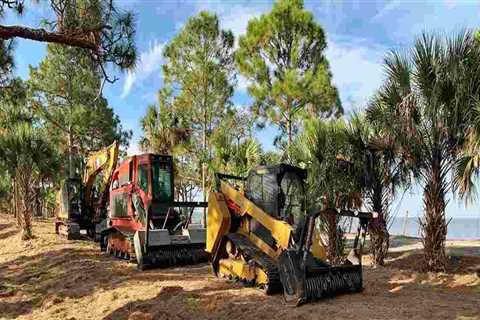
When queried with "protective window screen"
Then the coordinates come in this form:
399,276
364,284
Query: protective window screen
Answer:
119,205
292,189
162,187
263,190
142,178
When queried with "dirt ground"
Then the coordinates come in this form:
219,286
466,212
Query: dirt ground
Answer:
52,278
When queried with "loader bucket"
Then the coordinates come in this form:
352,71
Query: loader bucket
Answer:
305,279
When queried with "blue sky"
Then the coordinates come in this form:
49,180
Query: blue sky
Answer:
359,33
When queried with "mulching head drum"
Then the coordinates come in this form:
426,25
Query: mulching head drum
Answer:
302,283
333,282
164,257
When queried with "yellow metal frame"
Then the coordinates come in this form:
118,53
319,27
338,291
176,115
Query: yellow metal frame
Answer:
104,160
281,231
218,221
241,269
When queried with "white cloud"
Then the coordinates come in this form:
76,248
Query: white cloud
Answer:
149,63
242,83
357,69
385,10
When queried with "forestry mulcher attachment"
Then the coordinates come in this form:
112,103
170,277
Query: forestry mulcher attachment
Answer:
82,201
145,224
264,237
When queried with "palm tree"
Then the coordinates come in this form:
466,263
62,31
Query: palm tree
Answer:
25,153
323,150
380,174
424,105
236,150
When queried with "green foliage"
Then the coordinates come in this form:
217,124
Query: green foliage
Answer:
425,106
104,31
199,69
6,61
64,92
26,154
236,150
282,56
163,131
324,151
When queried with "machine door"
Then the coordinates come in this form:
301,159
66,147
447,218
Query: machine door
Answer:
120,194
162,181
292,198
70,199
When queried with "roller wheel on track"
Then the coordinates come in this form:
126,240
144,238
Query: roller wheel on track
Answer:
141,265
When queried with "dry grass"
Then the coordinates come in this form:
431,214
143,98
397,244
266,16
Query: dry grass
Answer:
52,278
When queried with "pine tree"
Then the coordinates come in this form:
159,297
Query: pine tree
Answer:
200,72
282,56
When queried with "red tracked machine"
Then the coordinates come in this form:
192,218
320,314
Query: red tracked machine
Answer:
145,224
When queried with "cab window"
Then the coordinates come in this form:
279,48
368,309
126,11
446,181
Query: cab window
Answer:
142,178
162,181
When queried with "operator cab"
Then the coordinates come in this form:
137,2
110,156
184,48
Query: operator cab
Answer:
71,199
141,182
278,190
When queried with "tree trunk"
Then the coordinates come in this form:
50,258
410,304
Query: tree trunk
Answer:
27,197
433,224
14,204
331,228
204,166
288,118
289,132
379,236
18,212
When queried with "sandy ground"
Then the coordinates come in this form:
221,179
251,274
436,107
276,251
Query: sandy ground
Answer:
52,278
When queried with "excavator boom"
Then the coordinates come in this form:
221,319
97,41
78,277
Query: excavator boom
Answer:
102,162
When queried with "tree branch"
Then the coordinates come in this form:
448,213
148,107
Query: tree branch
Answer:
10,32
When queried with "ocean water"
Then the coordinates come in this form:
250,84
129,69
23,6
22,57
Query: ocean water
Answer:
459,228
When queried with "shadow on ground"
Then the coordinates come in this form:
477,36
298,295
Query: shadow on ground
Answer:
5,226
7,234
174,302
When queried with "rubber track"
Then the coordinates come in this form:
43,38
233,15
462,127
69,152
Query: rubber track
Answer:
268,265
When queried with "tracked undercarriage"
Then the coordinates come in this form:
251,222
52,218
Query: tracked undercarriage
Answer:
249,265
